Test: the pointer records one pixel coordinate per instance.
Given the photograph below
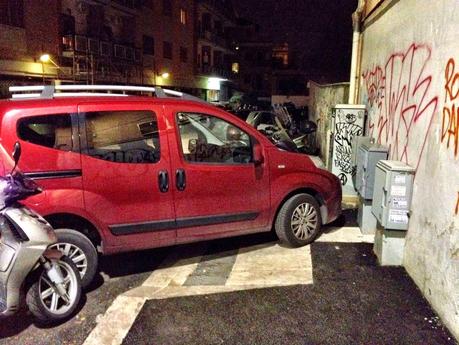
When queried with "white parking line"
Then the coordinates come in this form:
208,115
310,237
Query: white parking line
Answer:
118,319
116,322
259,266
271,265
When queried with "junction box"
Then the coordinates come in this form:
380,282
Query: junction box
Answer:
391,207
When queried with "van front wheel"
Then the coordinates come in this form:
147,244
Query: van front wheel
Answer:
80,250
298,222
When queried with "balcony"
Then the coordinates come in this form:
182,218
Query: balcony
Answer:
213,38
81,45
215,71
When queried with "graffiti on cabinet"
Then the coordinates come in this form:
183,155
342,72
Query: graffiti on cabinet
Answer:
346,127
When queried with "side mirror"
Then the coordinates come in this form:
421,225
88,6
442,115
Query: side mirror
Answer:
258,158
192,145
16,153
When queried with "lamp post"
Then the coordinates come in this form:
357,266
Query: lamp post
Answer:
45,58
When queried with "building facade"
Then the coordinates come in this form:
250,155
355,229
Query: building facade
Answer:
409,80
215,53
24,37
181,44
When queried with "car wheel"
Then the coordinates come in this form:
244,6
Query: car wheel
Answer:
298,222
80,250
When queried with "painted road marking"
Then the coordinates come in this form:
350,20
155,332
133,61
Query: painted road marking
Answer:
214,268
258,266
272,265
116,322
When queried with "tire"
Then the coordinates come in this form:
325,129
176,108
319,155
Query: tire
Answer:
42,307
304,210
71,243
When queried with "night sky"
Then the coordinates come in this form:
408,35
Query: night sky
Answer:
319,30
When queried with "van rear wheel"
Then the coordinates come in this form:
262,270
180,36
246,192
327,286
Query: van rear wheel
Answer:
80,250
298,222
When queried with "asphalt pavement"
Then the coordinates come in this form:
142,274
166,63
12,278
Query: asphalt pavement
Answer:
246,290
352,301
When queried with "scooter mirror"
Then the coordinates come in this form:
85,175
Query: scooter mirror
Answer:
16,153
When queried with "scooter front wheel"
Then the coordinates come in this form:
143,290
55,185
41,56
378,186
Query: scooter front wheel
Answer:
44,300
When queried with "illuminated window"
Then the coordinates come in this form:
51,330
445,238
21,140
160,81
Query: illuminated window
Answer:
235,67
182,16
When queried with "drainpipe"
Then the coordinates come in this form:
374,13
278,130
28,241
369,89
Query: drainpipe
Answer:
356,52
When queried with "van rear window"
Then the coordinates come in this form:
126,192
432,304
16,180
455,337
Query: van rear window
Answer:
53,131
123,136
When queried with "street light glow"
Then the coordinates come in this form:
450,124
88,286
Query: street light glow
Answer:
45,58
165,75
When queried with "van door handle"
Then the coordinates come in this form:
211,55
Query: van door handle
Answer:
163,181
180,179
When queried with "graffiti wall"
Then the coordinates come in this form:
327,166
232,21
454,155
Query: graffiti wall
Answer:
402,102
410,86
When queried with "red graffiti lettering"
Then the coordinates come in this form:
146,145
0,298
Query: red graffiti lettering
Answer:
457,204
400,103
450,121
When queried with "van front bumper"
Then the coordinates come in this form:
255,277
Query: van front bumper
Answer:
331,209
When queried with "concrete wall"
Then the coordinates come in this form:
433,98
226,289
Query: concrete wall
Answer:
299,101
410,84
322,98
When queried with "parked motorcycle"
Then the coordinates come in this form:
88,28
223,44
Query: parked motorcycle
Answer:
50,280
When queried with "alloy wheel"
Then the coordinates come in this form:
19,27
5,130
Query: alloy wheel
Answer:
304,221
49,296
75,254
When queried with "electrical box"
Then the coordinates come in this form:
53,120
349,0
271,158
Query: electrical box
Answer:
357,141
348,121
368,155
392,194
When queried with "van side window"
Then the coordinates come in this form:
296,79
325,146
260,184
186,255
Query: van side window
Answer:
209,139
123,136
53,131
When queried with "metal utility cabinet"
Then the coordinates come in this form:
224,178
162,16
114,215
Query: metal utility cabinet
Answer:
392,194
348,121
367,156
357,141
391,207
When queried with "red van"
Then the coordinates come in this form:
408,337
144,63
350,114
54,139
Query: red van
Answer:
124,173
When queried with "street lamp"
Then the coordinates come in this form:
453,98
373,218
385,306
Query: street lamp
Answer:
162,77
45,58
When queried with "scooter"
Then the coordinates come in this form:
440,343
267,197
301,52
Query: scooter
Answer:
49,280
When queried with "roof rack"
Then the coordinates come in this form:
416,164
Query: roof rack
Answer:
49,91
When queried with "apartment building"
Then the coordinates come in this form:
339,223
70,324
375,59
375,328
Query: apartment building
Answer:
129,42
24,37
98,41
215,53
